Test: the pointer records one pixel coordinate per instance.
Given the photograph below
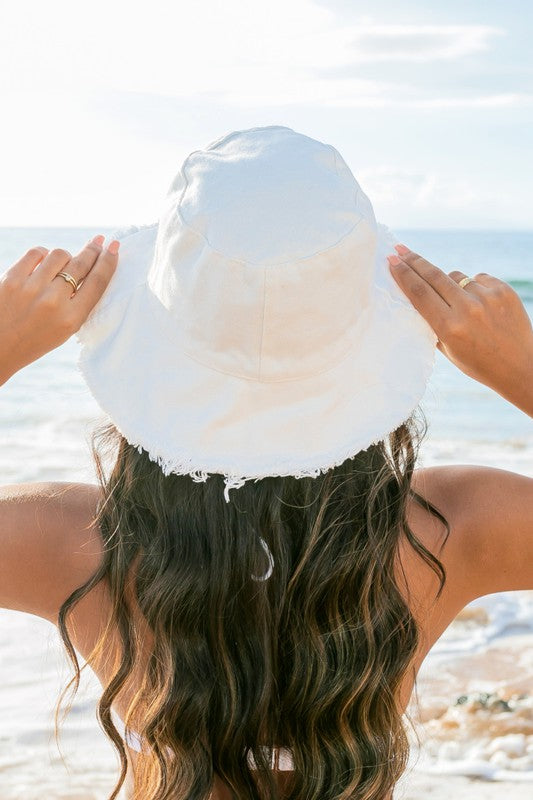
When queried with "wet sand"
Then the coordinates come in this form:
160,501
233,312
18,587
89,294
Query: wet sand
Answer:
459,787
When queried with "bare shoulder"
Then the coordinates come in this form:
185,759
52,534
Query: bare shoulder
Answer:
49,543
486,546
490,511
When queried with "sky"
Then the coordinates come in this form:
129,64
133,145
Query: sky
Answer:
430,104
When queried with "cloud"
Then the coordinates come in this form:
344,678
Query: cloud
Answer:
420,43
245,55
508,99
403,197
390,184
353,93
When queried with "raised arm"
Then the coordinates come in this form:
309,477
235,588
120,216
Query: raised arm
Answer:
39,310
47,541
483,328
486,332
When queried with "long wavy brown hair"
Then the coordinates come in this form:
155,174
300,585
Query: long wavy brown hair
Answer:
311,659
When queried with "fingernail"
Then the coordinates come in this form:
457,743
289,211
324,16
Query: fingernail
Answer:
394,260
99,240
113,247
402,249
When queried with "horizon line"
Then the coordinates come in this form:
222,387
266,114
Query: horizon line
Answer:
393,227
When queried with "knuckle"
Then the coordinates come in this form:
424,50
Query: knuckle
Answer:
96,248
36,252
454,329
60,253
456,275
418,289
433,273
476,311
10,281
110,258
68,323
28,288
399,268
417,260
99,282
502,289
50,301
74,263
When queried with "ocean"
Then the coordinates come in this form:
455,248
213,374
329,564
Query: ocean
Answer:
476,685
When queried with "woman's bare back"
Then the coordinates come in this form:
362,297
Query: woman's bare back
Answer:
490,513
417,582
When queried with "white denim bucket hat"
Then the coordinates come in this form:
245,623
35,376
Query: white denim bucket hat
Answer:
255,330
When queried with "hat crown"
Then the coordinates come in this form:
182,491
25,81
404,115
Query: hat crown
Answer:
265,255
256,330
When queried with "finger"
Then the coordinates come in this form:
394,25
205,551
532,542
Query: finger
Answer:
480,284
78,266
95,283
441,282
422,295
54,261
481,279
472,287
456,275
25,265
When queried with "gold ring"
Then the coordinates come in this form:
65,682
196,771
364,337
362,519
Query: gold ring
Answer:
464,281
68,277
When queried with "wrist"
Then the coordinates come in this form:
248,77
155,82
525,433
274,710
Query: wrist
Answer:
6,371
8,360
5,376
519,389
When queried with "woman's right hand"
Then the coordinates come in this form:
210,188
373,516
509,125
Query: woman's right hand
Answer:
483,328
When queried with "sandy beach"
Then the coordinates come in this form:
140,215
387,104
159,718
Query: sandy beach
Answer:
418,787
470,750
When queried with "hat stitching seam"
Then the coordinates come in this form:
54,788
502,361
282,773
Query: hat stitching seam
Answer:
124,299
126,295
189,226
277,263
331,365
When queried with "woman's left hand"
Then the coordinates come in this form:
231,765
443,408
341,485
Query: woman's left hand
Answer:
39,310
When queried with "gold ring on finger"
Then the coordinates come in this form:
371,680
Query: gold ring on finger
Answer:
68,277
463,282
